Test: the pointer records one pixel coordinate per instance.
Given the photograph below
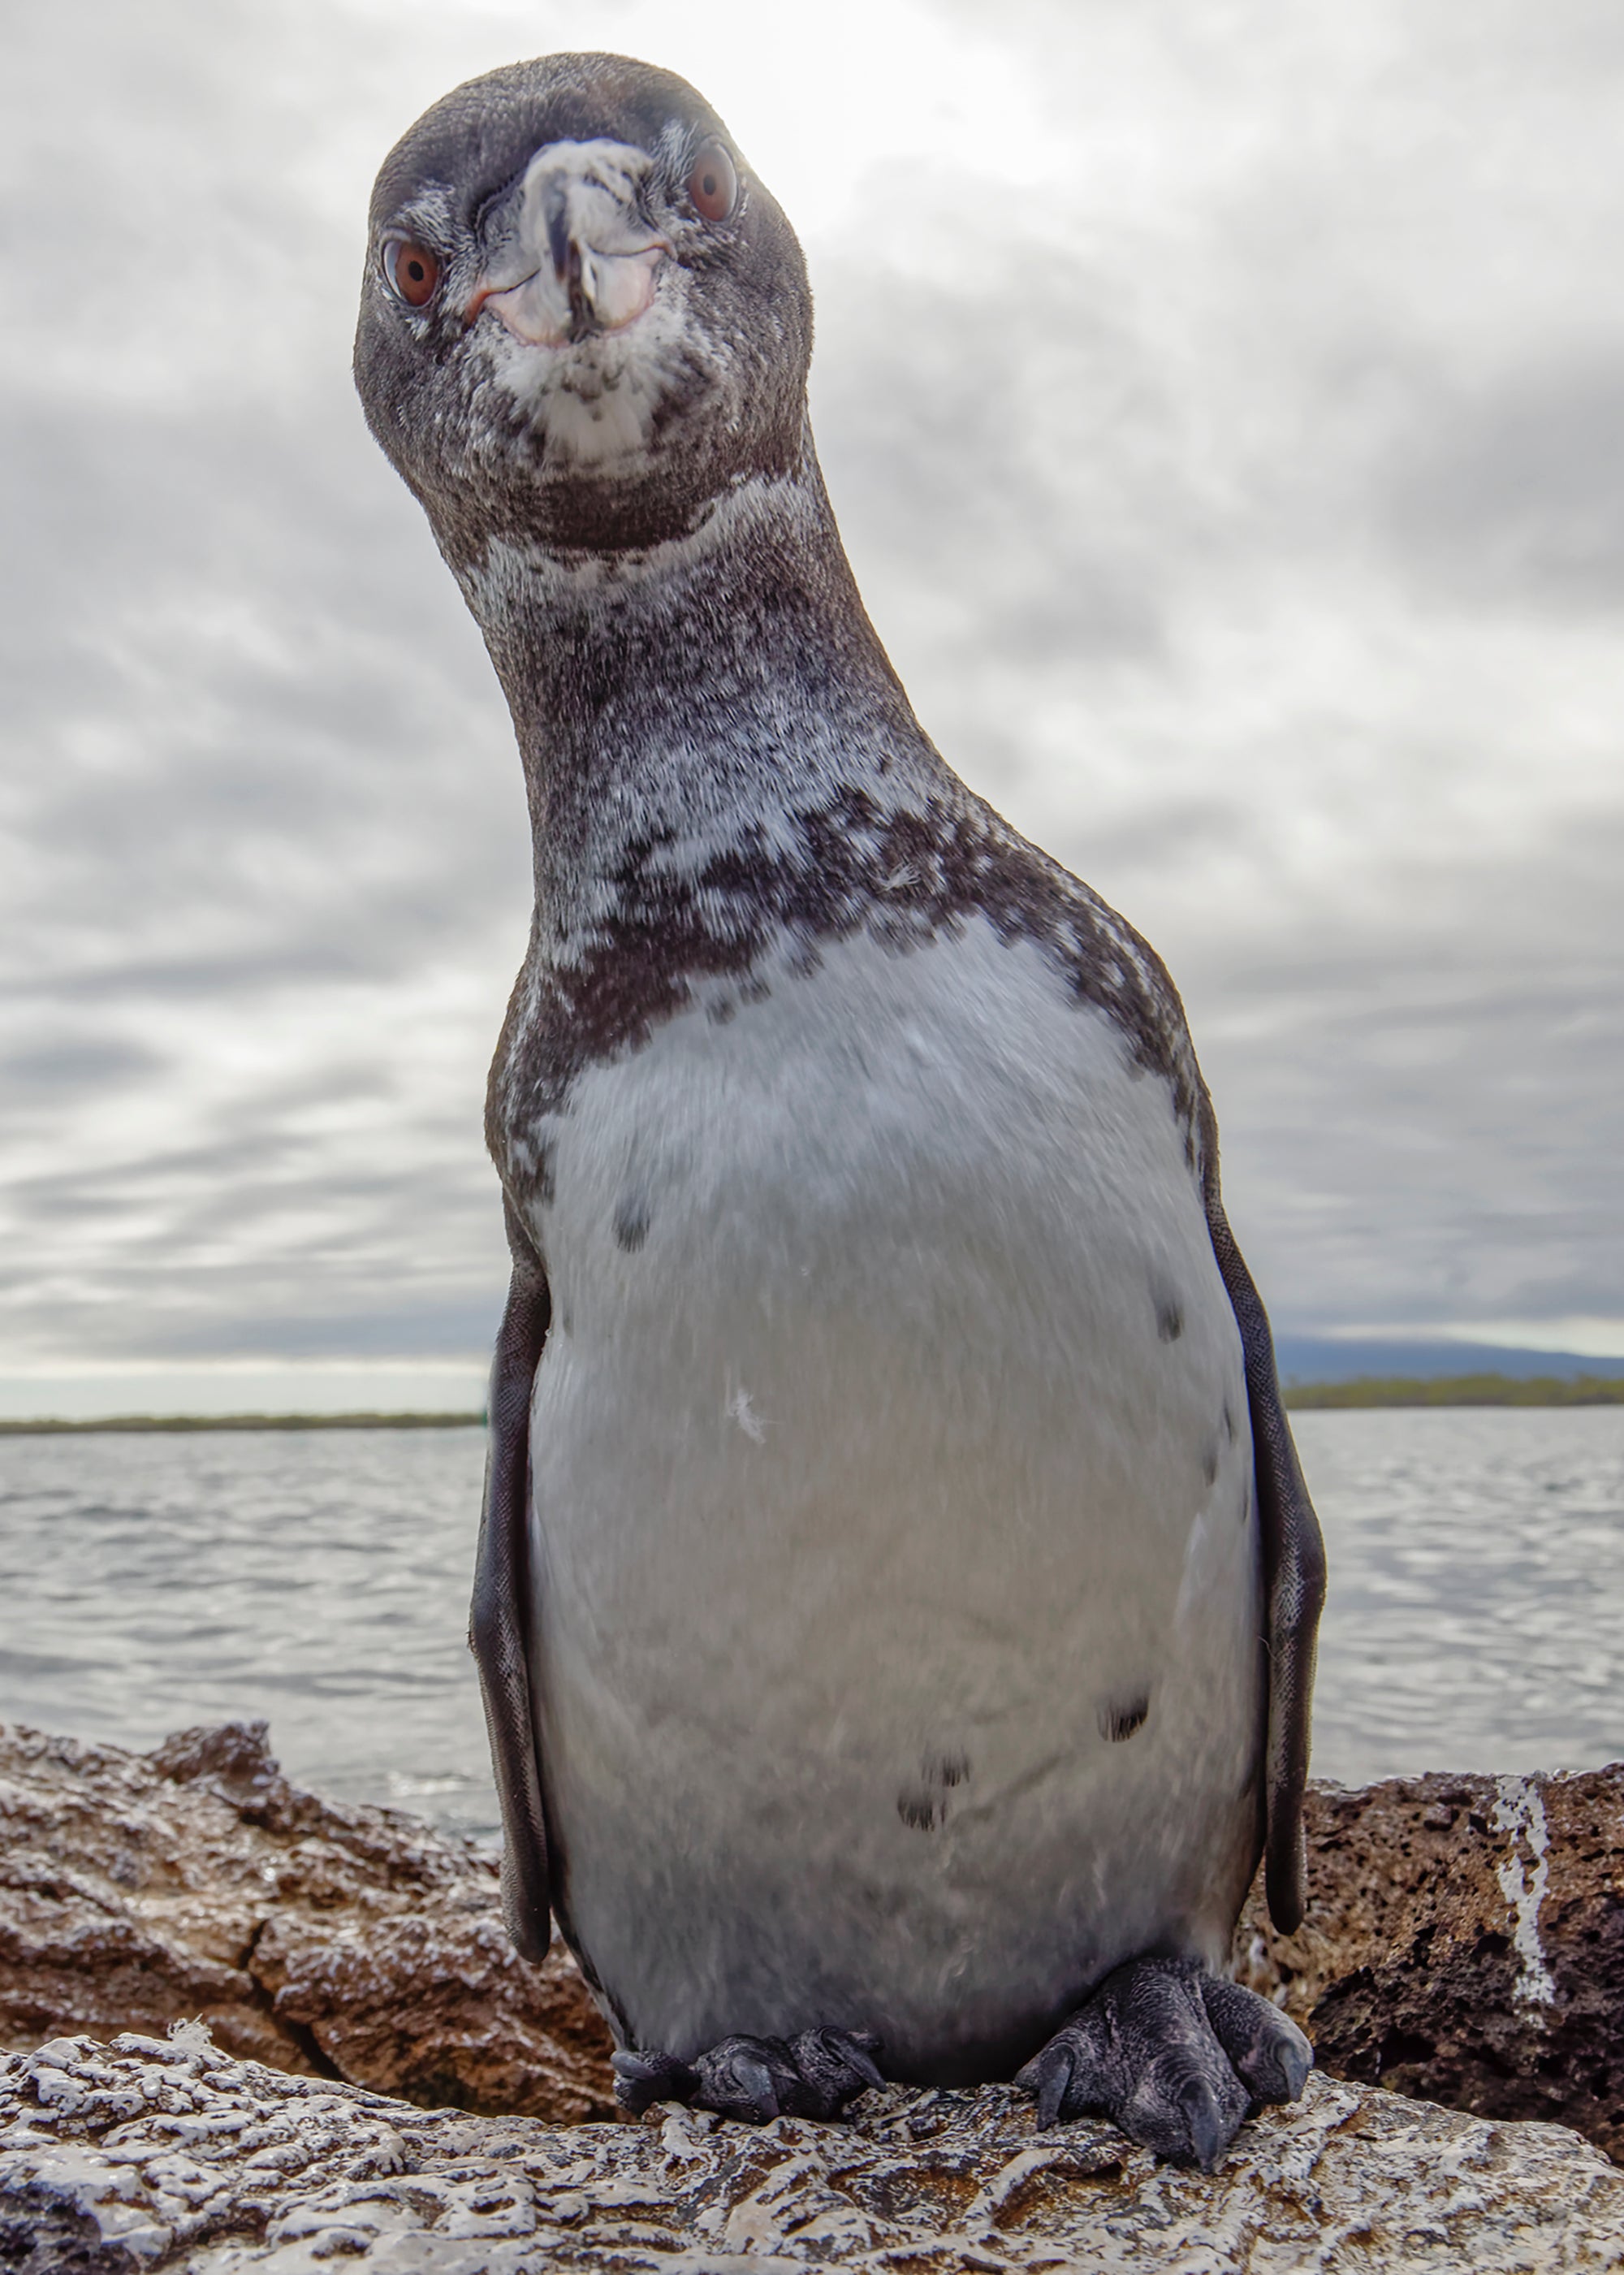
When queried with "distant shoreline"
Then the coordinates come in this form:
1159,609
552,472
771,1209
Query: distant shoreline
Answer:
1459,1390
101,1425
1366,1391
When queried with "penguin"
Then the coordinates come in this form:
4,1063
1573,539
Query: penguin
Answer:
897,1589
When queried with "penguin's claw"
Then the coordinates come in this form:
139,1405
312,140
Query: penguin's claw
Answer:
1269,2055
739,2084
754,2080
1173,2055
640,2080
1049,2077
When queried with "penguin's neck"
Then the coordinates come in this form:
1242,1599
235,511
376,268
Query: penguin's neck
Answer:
668,704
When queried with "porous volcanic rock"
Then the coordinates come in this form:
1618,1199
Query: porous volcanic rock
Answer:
175,2159
138,1890
1464,1942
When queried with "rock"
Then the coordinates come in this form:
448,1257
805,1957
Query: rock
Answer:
1465,1939
159,2156
140,1890
1464,1942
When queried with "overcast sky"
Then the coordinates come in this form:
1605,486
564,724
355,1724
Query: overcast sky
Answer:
1224,407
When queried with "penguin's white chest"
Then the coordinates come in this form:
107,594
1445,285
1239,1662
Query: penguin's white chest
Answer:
895,1599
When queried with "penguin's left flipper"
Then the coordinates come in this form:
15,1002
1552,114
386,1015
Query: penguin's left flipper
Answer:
814,2075
495,1625
1293,1567
1174,2055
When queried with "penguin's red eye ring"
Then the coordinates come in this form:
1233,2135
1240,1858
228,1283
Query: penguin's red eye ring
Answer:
410,271
713,186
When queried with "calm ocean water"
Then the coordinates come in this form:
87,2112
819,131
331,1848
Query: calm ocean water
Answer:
320,1579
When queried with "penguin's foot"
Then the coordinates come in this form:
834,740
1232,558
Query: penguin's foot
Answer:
756,2079
1174,2055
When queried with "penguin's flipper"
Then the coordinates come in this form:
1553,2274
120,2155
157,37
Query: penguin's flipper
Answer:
754,2080
496,1618
1176,2057
1294,1571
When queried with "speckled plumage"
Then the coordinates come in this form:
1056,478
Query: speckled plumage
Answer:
881,1622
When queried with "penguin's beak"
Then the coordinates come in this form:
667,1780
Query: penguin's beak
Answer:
573,258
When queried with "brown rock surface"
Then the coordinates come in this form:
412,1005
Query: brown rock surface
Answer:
1464,1943
175,2159
140,1890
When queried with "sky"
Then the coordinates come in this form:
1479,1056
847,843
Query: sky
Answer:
1224,410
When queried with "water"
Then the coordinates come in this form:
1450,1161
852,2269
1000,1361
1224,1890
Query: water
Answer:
320,1579
317,1578
1476,1614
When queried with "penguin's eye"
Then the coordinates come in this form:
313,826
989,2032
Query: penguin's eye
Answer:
411,270
713,186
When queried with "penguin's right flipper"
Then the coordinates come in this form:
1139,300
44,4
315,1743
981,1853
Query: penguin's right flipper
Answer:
496,1632
814,2075
1176,2057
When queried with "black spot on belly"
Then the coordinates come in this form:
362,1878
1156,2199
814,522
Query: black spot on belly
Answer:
1209,1465
923,1802
1228,1423
1169,1318
1120,1718
631,1222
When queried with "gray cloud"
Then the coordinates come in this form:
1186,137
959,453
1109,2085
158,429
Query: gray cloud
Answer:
1516,495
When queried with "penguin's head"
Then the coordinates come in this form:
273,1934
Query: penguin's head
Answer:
582,318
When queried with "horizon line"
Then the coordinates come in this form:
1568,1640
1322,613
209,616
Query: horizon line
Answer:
1484,1386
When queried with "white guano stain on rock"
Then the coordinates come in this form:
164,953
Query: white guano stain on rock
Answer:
1519,1811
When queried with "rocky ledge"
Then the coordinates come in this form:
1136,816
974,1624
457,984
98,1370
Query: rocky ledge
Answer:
1466,1943
1465,1940
151,2155
195,1882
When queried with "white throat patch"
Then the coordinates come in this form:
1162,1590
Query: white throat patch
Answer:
594,400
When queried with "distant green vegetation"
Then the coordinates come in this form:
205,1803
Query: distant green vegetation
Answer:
1367,1390
1462,1390
143,1422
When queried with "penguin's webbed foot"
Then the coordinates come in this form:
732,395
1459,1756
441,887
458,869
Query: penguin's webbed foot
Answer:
814,2075
1176,2057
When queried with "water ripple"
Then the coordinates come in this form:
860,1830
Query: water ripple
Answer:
1477,1588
